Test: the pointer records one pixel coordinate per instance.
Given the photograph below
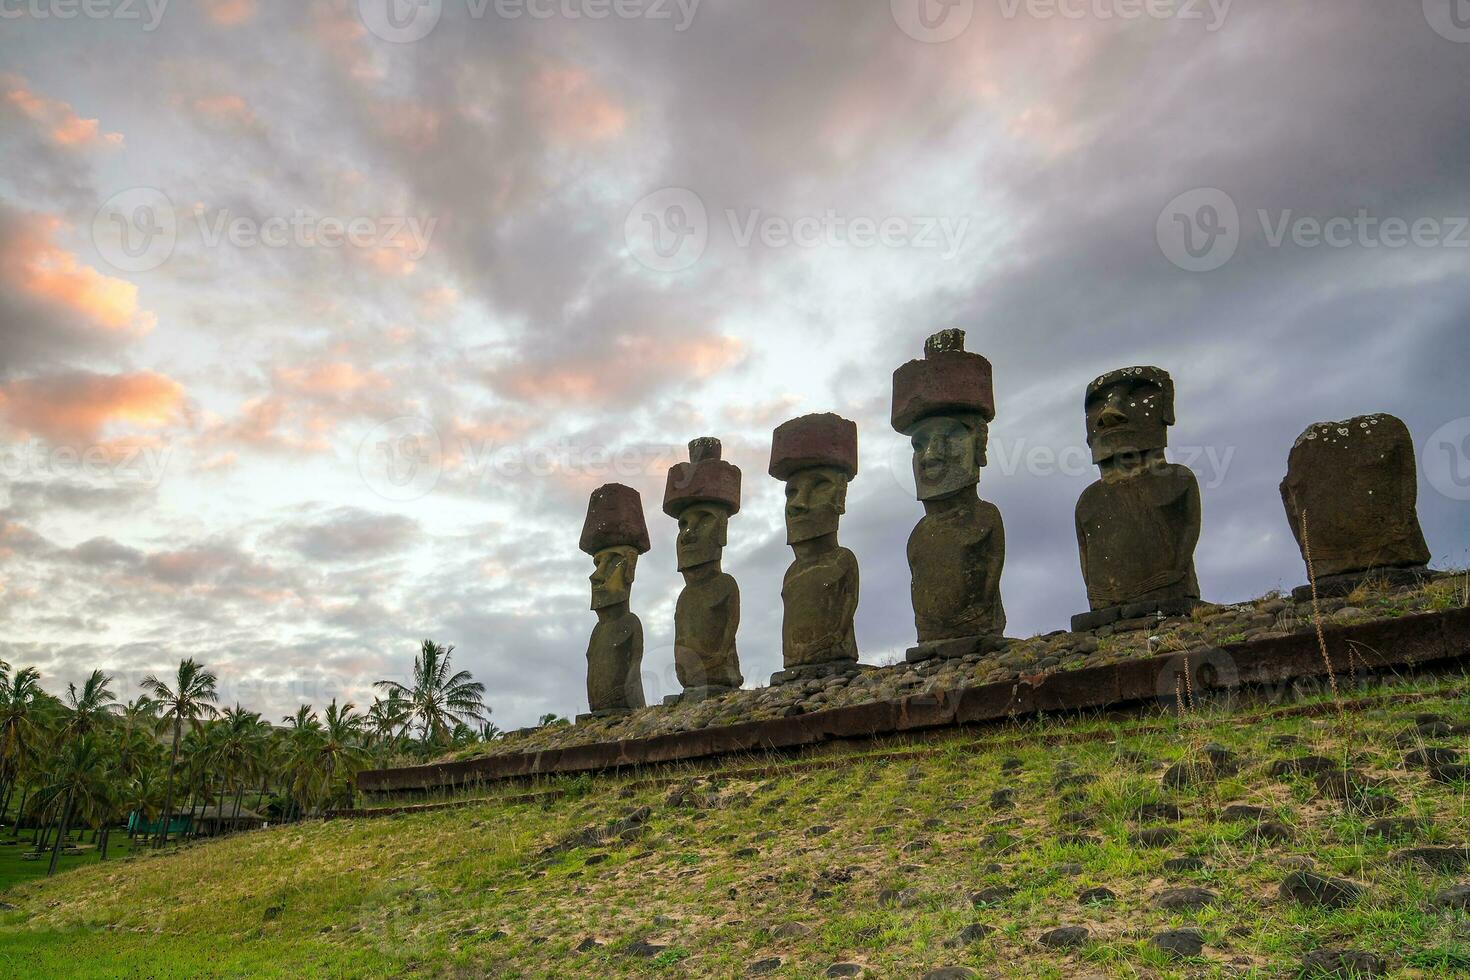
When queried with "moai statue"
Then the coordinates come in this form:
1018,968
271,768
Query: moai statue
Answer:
945,404
816,455
1357,483
1138,525
703,494
614,535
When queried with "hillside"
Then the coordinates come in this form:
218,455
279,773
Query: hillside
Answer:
967,849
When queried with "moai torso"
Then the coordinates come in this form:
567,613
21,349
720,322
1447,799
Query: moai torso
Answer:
1358,483
615,663
955,556
706,618
820,595
1137,536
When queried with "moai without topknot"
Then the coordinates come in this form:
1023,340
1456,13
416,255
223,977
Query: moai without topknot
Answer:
702,495
1357,482
816,456
614,534
945,403
1137,527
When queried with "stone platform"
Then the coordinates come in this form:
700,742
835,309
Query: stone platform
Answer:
1334,586
1098,618
1400,645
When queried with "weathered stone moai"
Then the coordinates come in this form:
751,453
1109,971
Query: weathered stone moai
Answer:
1357,483
703,494
816,456
1136,527
945,403
614,534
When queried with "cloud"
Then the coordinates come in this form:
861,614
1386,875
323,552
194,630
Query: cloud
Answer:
350,534
43,274
230,13
224,110
57,120
573,107
76,407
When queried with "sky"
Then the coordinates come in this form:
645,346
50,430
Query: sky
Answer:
320,320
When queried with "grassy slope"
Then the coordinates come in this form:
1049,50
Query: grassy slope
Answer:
464,892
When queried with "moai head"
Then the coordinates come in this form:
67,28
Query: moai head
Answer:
945,404
816,455
702,494
1129,412
614,535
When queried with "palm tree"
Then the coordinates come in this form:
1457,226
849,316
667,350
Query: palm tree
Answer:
191,697
438,699
340,747
300,738
76,782
21,706
90,705
241,737
388,717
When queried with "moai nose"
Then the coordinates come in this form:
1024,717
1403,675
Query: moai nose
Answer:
1111,415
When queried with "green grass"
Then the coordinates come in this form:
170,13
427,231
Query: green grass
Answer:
15,869
468,892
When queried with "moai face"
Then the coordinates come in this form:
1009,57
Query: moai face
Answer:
948,453
1129,417
816,498
702,529
612,579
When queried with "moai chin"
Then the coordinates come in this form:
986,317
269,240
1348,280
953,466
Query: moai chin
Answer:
614,534
1357,482
703,494
945,403
1137,527
816,456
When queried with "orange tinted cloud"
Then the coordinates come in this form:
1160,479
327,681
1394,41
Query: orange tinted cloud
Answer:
229,13
31,263
55,118
635,364
75,407
337,377
229,109
572,107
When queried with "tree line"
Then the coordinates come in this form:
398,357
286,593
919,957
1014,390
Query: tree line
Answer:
85,760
